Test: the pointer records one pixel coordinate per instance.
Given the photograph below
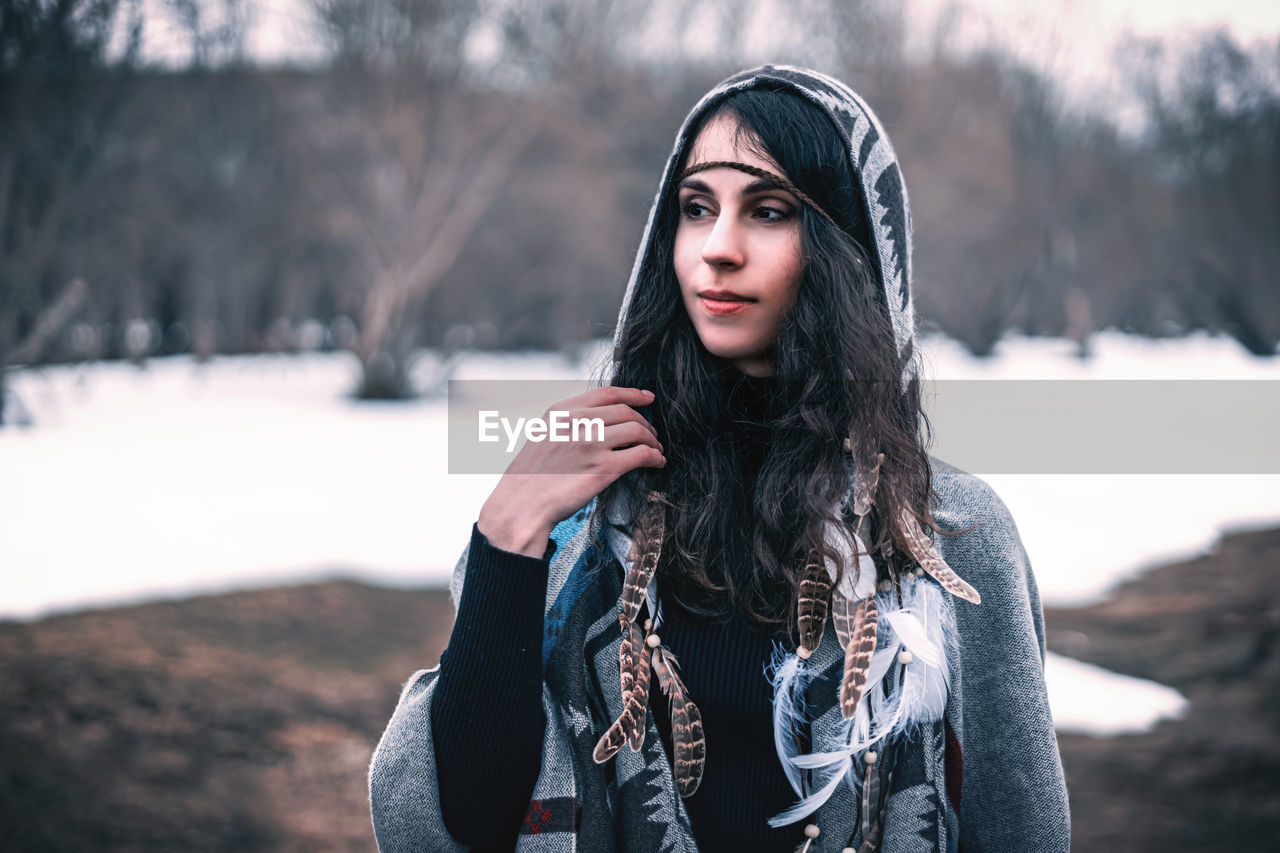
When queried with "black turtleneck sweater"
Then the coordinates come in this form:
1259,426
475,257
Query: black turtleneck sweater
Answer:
492,669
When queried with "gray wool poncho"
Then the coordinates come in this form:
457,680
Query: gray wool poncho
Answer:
1012,794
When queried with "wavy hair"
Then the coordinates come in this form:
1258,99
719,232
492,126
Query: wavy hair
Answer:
837,368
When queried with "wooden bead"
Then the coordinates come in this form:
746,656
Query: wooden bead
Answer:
648,624
652,641
848,850
848,445
870,757
904,656
812,830
804,653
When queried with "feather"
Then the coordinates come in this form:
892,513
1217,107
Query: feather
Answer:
688,743
921,546
631,647
914,636
866,483
885,706
812,607
629,727
638,701
898,698
871,840
654,602
918,689
870,798
857,657
612,740
844,614
853,584
927,676
857,733
810,804
789,676
646,546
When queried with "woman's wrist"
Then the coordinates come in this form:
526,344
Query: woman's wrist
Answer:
517,533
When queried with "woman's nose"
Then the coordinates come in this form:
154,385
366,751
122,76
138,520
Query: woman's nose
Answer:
724,244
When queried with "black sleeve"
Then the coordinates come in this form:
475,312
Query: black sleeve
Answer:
487,720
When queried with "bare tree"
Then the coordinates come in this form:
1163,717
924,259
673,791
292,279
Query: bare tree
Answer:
431,138
55,134
1217,129
411,159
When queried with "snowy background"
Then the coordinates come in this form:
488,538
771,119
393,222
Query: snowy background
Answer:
179,478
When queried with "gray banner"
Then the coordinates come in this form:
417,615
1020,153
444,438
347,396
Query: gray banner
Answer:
981,426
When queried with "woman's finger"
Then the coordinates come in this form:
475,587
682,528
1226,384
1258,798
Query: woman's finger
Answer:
630,433
608,395
640,456
615,414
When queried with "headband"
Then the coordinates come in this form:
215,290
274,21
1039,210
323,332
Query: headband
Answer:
761,173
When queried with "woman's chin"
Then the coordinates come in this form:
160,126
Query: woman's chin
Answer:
729,352
749,359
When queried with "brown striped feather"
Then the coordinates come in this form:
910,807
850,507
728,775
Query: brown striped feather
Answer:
638,701
864,492
629,727
632,644
813,605
872,829
612,741
688,743
646,546
921,546
844,614
857,655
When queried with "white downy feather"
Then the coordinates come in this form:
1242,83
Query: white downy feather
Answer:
810,804
914,636
790,679
856,584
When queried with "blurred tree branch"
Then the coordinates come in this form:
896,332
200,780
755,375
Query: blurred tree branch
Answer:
57,127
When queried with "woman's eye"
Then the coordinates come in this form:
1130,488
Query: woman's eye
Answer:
690,209
697,210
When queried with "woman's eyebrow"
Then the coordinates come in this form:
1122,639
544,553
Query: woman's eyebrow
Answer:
759,185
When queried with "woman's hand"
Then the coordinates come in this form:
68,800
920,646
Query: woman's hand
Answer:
549,481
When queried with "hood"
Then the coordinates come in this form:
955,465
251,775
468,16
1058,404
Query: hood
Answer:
875,167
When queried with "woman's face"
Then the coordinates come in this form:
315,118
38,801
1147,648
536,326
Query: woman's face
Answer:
737,251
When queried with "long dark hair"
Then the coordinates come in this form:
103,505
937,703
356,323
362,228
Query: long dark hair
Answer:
837,370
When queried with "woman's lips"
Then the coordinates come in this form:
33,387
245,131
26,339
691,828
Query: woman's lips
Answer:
720,306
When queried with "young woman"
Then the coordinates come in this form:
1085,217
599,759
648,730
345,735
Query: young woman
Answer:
763,510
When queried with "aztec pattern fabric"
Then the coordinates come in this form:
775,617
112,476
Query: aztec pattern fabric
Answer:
997,707
871,156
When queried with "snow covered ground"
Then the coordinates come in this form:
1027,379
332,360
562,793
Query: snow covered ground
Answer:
1094,701
178,478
